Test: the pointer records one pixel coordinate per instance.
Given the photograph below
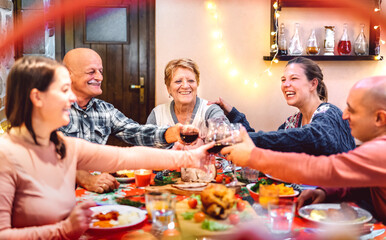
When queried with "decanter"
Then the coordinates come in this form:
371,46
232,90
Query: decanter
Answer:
282,42
312,44
344,45
360,45
295,46
329,41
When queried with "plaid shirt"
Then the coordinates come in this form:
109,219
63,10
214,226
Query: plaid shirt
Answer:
100,119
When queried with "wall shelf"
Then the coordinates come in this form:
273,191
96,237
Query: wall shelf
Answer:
374,36
327,58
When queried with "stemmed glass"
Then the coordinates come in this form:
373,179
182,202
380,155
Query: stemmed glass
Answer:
221,133
236,138
189,134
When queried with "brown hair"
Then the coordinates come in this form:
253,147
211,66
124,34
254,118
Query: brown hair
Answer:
312,71
28,73
172,66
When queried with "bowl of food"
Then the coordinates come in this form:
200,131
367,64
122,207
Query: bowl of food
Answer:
284,191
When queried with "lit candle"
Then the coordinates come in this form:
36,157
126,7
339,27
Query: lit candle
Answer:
142,177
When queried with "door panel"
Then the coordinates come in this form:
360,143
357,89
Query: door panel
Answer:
124,63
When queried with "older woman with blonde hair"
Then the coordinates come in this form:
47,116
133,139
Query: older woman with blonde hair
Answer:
182,78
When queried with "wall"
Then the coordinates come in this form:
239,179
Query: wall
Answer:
6,57
184,29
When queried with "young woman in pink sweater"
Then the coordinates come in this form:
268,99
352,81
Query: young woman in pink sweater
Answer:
38,164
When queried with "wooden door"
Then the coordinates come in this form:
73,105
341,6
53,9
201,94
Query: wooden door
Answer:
129,70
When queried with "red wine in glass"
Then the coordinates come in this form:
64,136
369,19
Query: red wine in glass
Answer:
190,137
217,147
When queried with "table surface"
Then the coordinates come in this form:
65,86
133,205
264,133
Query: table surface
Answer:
301,229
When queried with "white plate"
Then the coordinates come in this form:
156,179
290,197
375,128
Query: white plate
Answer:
283,196
124,179
121,209
273,178
305,213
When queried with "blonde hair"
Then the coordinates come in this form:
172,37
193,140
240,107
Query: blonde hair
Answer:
173,65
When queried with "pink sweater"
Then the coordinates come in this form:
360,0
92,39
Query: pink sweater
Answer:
364,166
37,190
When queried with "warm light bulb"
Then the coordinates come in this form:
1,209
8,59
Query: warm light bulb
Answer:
269,73
255,85
233,72
383,42
273,33
246,81
210,5
376,27
217,34
377,9
226,60
215,16
275,60
220,45
277,15
275,5
273,46
377,57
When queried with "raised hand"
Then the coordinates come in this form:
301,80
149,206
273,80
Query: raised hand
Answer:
202,155
240,152
226,107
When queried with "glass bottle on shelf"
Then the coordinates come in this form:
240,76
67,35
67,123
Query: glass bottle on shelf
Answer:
344,45
329,41
312,44
295,46
282,42
360,45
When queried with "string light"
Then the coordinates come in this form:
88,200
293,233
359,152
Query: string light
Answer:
377,50
217,35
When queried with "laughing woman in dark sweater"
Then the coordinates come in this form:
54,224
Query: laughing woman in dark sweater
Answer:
317,128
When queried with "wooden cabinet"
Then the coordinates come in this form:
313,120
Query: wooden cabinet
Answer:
366,7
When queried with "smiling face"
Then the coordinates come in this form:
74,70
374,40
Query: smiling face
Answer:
183,86
360,115
86,71
57,99
296,88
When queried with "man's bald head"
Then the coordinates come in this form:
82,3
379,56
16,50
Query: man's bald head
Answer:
77,56
86,72
374,89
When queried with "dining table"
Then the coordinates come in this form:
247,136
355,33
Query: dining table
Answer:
301,227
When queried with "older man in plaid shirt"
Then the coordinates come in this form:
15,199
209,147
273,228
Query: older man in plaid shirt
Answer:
95,120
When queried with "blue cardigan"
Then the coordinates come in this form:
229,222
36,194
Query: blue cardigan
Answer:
327,134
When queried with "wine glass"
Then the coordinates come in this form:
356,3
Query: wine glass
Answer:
236,138
188,133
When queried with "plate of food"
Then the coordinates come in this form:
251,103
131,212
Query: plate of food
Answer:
284,191
114,217
334,213
124,176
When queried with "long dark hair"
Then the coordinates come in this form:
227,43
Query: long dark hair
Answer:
28,73
312,70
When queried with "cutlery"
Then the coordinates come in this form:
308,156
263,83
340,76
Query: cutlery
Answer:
372,235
